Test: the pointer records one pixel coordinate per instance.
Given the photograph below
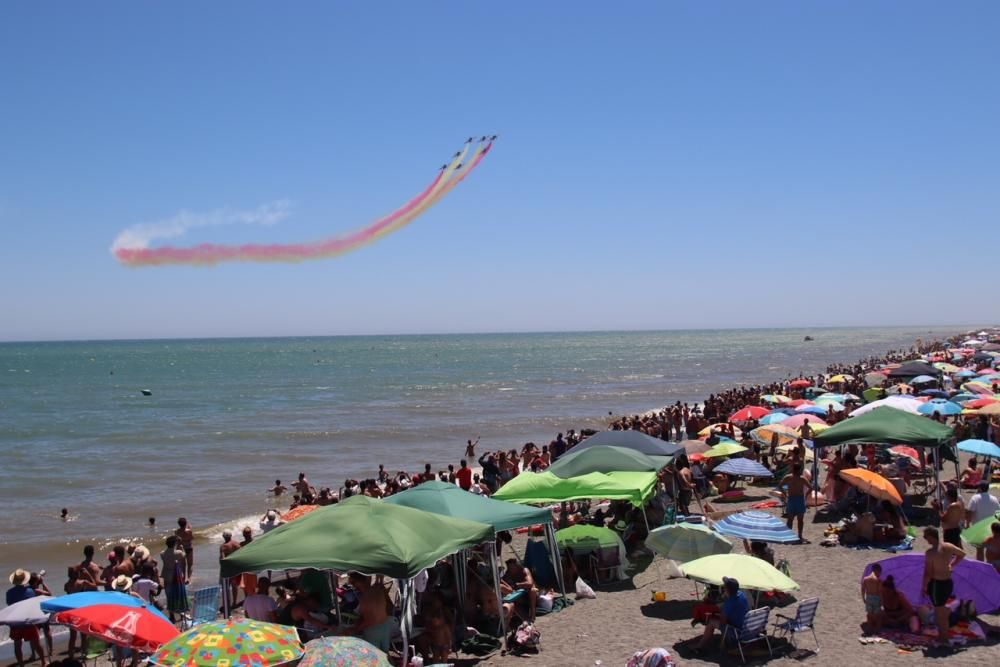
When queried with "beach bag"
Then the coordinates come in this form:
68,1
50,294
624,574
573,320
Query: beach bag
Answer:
480,645
583,591
527,637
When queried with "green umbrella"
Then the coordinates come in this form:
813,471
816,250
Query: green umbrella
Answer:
605,459
687,541
232,642
584,537
724,449
753,573
360,534
980,531
544,487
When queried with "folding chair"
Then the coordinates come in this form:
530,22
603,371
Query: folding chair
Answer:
96,649
205,606
605,560
803,620
754,629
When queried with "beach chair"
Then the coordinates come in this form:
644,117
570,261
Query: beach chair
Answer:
803,620
204,606
605,560
96,650
754,629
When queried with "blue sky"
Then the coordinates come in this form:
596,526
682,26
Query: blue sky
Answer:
660,165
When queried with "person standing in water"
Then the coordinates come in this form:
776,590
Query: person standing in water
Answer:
185,535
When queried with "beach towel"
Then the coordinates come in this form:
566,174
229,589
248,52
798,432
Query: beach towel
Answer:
652,657
959,634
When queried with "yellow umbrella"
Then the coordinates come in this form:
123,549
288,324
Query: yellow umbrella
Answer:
872,483
718,429
818,428
764,434
724,449
837,379
991,409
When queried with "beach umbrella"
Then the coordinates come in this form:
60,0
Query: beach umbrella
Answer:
796,421
840,379
131,627
972,580
92,598
799,384
724,449
775,398
773,418
946,367
980,531
25,612
754,574
233,642
819,410
831,398
687,541
749,412
902,403
978,403
923,379
908,452
874,379
705,432
765,434
585,537
947,409
963,397
813,392
788,449
799,402
756,526
980,448
991,409
873,394
872,483
298,512
743,468
342,652
965,373
694,447
936,393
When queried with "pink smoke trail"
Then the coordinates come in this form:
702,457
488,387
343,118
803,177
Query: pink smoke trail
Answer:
211,254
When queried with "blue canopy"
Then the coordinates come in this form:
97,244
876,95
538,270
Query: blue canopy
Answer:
980,448
743,468
91,598
756,526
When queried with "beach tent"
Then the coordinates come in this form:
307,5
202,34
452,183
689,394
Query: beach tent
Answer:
364,535
636,440
449,500
903,403
910,369
544,487
604,458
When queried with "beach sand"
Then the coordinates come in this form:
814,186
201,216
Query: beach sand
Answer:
623,620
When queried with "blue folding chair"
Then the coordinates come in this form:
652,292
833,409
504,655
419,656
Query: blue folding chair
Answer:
803,620
205,606
754,629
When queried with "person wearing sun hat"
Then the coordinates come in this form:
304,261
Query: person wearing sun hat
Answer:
18,592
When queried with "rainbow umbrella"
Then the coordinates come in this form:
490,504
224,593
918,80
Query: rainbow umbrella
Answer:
764,434
775,398
233,642
342,652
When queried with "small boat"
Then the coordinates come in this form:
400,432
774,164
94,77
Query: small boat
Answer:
808,338
146,392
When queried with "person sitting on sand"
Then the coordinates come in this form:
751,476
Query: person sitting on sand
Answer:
734,611
759,550
261,606
888,523
871,594
897,611
971,475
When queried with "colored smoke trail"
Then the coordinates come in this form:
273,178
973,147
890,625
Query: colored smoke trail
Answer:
130,248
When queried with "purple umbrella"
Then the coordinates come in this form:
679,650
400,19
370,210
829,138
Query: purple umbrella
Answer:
974,580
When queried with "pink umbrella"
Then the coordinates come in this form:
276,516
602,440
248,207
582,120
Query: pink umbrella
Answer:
799,402
908,452
795,421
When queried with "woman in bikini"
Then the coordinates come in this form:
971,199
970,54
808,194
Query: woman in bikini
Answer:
897,612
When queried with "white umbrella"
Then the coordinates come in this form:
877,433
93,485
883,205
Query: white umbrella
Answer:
904,403
25,612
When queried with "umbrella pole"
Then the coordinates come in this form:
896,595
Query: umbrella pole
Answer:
555,555
334,580
404,621
937,479
495,571
459,563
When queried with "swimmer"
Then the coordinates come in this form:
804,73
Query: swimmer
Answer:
64,514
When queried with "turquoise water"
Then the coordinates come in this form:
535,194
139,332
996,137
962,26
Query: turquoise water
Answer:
227,417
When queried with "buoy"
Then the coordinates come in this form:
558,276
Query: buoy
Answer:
147,392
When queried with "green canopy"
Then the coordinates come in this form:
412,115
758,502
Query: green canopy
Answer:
606,458
449,500
980,531
584,536
360,534
529,487
886,426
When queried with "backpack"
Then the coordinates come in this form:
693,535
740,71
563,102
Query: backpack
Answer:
527,638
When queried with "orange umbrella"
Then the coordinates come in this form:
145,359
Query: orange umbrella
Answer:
872,483
991,409
298,512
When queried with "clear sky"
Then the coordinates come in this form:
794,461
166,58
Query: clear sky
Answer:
660,164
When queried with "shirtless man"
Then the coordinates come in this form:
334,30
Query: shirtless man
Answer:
686,487
185,535
951,518
278,489
871,594
89,572
470,448
375,625
518,578
303,486
795,505
125,566
991,547
227,547
940,561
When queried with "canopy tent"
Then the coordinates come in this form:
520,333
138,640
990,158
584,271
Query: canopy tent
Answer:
886,425
636,440
910,369
897,402
605,459
544,487
364,535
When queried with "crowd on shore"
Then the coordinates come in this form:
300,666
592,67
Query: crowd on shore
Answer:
135,570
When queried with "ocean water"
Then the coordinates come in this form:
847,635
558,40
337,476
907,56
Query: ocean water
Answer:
228,417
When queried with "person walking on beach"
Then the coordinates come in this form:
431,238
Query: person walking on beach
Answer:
228,547
871,594
185,535
940,562
795,505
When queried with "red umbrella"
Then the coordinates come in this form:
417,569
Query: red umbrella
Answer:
978,403
131,627
908,452
748,413
798,402
800,384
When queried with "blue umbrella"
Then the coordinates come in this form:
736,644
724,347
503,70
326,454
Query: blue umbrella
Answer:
965,374
756,526
946,408
963,397
818,410
773,418
979,447
838,398
937,393
743,468
923,379
91,598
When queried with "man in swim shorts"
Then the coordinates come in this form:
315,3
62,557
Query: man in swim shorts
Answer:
940,561
952,517
871,593
796,499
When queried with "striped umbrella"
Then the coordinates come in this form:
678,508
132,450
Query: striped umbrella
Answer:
743,468
774,398
764,434
756,526
687,541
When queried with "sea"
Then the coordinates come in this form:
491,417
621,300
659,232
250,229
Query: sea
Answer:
225,418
